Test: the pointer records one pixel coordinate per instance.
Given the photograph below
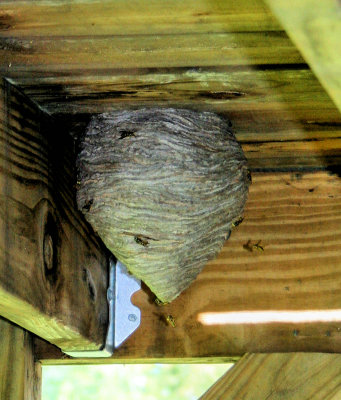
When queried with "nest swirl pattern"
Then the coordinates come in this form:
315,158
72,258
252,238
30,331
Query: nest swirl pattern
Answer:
162,188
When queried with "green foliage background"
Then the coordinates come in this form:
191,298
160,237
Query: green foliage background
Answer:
137,382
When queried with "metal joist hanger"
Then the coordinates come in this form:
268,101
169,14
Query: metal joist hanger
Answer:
124,317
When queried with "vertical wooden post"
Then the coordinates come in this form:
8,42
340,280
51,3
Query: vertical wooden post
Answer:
20,374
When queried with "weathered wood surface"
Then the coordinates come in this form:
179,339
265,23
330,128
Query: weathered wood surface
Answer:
315,27
297,219
220,89
117,17
273,111
88,34
183,50
297,376
53,270
221,56
20,373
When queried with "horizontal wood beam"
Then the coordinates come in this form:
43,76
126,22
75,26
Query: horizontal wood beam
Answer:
77,18
20,373
181,50
52,37
222,56
275,287
271,110
53,270
315,28
220,89
294,376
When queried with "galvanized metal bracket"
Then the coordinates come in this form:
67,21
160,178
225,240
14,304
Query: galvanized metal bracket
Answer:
124,317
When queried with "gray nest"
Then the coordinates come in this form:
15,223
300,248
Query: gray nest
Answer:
162,188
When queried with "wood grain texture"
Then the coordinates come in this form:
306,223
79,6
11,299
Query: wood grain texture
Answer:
295,376
315,27
297,219
90,34
147,51
20,373
117,17
53,270
222,56
272,110
222,89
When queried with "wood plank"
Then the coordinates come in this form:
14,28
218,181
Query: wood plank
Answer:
272,110
20,18
67,53
283,299
315,27
221,89
53,270
294,376
115,34
219,56
20,373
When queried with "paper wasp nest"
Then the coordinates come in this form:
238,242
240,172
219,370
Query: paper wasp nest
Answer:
162,187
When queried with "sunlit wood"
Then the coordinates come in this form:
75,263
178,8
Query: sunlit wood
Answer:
296,376
297,221
315,28
20,374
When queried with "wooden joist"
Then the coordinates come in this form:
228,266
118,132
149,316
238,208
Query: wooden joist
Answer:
82,35
181,50
219,89
223,56
280,376
315,28
53,270
272,111
20,373
275,287
118,17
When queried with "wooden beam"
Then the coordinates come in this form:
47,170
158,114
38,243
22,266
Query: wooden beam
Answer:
52,37
121,18
283,299
181,50
53,270
20,374
224,56
315,27
271,110
219,89
295,376
81,36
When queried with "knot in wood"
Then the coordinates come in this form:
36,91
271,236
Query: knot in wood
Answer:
48,251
